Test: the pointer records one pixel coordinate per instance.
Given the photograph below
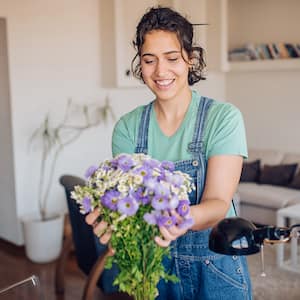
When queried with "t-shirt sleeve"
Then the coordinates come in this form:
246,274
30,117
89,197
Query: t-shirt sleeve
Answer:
226,131
122,139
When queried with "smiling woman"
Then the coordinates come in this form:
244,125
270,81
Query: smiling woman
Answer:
204,138
165,66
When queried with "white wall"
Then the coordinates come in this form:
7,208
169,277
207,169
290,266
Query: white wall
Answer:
7,182
270,103
54,53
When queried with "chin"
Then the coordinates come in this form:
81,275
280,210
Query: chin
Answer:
165,96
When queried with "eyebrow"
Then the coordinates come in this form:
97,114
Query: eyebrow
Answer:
165,53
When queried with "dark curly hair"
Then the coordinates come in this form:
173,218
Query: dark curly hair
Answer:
164,18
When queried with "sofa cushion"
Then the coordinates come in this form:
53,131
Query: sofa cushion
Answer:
277,174
295,184
250,171
269,157
265,195
291,158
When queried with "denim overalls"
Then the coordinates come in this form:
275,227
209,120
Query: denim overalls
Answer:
203,274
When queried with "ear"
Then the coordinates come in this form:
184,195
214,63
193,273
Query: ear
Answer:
191,60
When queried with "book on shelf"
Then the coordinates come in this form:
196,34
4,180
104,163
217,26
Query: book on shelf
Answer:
284,53
291,50
262,51
273,51
239,54
297,48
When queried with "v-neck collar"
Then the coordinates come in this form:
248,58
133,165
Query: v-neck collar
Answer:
182,125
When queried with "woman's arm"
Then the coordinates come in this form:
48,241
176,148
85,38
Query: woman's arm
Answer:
223,174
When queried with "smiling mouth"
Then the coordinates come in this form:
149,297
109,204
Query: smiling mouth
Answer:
163,84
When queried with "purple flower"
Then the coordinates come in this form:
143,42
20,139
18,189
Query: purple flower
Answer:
161,190
140,196
183,208
174,179
114,163
125,162
110,199
86,204
166,221
160,202
168,165
150,218
186,223
151,163
90,171
150,184
144,171
105,167
128,206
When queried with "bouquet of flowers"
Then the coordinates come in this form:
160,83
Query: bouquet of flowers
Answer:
136,195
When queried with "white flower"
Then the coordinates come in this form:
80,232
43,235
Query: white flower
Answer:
123,188
138,179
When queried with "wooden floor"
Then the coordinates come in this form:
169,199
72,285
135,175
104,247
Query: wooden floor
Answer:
14,267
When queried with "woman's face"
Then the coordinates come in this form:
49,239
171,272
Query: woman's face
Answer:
164,70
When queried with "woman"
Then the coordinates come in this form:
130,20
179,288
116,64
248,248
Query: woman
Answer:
204,138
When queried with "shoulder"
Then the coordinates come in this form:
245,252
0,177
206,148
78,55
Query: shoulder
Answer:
223,110
125,132
133,116
131,119
225,130
217,108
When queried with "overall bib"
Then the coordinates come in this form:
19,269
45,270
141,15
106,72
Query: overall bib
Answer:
203,274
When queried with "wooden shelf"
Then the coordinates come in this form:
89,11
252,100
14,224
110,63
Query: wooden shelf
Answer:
256,22
292,64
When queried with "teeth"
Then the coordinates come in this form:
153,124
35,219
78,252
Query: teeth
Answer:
164,82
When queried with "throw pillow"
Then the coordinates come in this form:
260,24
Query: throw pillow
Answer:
250,171
295,184
277,174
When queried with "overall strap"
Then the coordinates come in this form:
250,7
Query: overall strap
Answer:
195,147
142,139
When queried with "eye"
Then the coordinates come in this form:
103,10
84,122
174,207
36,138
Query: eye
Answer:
148,61
173,59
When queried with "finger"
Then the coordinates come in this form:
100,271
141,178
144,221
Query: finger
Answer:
167,234
176,215
110,251
92,217
175,231
100,228
161,242
104,239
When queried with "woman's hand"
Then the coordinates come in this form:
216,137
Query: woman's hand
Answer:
100,228
171,233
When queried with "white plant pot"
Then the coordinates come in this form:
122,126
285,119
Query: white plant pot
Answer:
43,239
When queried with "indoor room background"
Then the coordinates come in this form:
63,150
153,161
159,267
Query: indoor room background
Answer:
53,50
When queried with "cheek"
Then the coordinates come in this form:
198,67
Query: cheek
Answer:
146,71
182,70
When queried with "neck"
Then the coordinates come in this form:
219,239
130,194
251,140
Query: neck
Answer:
170,113
173,108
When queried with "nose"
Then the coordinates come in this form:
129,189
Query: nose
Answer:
161,68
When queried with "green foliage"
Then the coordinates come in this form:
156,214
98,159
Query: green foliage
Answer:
138,257
54,139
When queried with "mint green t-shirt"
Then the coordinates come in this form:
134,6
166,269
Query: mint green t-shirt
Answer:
224,133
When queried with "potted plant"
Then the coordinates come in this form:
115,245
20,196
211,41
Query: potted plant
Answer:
43,233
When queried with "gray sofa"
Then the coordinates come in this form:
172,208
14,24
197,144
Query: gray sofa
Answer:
259,202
